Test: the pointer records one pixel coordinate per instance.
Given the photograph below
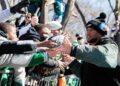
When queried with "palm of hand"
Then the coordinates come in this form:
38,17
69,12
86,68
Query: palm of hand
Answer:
65,48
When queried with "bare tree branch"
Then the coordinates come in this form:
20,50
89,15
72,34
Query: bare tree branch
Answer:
116,12
113,10
44,12
111,6
68,11
109,16
81,14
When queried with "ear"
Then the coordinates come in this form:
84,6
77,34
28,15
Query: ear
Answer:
7,35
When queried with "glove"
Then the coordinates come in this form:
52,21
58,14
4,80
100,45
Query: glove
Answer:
17,8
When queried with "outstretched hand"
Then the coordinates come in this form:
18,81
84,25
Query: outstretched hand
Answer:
67,59
47,43
65,48
61,65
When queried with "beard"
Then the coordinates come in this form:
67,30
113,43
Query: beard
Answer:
93,40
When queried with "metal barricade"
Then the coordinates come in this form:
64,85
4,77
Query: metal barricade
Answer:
38,80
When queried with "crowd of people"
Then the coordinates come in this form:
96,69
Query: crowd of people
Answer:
40,52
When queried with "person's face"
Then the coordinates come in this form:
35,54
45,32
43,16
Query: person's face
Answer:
45,33
56,32
11,35
92,35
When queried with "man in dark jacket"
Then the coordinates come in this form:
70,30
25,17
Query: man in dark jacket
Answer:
98,59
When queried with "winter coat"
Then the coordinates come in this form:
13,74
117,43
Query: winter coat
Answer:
98,63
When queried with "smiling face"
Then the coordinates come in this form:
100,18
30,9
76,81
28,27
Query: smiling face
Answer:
93,36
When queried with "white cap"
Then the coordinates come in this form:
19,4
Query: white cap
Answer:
54,25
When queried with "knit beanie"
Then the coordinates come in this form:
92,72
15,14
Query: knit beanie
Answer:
54,25
99,24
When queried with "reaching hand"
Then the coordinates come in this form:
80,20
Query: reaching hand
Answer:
46,43
65,48
43,49
67,59
61,65
34,20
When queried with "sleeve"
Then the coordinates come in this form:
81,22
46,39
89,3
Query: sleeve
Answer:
5,14
75,66
38,58
24,30
101,55
19,47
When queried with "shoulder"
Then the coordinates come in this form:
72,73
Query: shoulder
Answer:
107,40
3,39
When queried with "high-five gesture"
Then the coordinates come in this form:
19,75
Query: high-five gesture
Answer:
65,48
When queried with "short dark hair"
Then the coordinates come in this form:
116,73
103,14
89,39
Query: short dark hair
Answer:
5,27
39,27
